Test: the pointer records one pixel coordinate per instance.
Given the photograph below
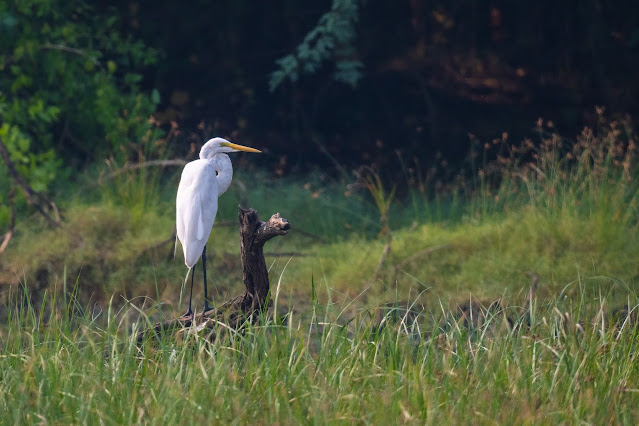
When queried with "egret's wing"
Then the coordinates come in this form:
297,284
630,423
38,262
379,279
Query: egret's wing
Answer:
196,207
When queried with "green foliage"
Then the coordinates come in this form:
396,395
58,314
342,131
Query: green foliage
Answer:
594,176
565,363
567,356
553,214
69,81
331,39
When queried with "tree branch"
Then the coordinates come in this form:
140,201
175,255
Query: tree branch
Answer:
135,166
12,223
31,196
274,227
233,313
71,50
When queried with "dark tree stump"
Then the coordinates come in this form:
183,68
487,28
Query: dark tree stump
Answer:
235,312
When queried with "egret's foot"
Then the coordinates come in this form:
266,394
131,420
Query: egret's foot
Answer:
187,315
207,307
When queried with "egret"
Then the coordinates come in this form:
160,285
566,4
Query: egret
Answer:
202,182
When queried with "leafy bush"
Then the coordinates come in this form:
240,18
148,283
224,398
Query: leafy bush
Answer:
69,89
332,38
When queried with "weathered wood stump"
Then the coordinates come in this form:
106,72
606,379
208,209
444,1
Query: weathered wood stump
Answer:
235,312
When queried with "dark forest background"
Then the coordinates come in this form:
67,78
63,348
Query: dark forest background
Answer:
432,72
312,83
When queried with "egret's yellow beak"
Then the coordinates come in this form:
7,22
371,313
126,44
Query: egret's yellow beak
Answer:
239,147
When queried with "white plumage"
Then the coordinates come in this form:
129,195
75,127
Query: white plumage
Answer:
196,208
202,182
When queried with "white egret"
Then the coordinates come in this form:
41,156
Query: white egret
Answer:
202,182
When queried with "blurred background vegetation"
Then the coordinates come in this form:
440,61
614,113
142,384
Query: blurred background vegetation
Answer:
476,159
428,101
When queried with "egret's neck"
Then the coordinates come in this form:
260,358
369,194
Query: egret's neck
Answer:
222,164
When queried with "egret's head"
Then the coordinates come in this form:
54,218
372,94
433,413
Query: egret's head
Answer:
217,145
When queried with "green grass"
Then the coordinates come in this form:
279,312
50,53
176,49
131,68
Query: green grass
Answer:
125,247
88,370
565,212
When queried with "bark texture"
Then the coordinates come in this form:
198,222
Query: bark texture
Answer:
255,299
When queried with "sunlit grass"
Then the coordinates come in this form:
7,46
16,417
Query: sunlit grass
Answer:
554,209
560,211
570,365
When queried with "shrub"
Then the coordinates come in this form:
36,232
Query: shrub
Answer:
69,89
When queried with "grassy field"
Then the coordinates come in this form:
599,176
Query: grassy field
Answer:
313,370
482,351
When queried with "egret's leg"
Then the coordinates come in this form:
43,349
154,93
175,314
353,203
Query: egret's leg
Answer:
190,311
206,293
